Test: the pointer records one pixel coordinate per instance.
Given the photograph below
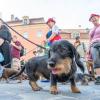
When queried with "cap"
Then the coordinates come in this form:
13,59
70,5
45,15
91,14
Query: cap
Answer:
50,20
92,15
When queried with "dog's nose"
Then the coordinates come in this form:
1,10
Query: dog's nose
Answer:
51,64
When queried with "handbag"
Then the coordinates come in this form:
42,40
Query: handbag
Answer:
1,57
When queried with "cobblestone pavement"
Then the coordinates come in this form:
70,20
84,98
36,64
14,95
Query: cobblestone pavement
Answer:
22,91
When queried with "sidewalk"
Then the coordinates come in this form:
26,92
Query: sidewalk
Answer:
22,91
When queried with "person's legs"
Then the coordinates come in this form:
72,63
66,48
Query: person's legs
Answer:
96,63
16,64
7,54
85,66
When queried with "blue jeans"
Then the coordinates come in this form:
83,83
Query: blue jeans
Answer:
95,56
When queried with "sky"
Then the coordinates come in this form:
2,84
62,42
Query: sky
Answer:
67,13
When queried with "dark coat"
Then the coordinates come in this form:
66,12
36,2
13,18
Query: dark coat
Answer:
5,33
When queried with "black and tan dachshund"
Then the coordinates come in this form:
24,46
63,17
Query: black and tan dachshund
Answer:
59,66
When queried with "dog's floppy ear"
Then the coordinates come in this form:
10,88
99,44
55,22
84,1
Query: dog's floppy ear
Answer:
79,62
76,56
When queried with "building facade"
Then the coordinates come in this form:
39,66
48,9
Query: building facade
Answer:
35,30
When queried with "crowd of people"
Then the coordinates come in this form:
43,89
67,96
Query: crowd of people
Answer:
94,45
10,47
93,52
5,40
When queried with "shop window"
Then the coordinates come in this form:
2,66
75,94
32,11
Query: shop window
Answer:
39,33
75,34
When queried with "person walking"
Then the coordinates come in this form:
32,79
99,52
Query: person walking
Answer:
15,53
94,45
54,32
81,49
5,40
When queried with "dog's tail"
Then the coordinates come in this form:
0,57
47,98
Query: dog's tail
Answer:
78,62
21,71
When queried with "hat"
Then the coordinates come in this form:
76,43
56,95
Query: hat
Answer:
92,15
50,20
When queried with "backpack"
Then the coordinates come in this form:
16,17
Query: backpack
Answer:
22,52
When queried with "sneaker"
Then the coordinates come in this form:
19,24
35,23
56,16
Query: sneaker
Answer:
97,81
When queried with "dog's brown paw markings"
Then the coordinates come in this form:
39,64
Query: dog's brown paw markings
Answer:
54,90
7,81
85,81
19,82
36,88
75,89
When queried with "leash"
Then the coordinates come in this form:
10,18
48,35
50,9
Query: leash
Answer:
21,56
6,64
22,36
28,52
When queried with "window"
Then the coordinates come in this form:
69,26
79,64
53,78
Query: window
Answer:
25,51
26,20
87,30
74,35
26,35
39,33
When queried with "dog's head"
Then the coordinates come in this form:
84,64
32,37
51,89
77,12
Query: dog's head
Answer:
60,57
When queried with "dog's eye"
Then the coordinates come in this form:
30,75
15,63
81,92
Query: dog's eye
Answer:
62,50
64,53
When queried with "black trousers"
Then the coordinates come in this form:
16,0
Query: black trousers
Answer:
6,51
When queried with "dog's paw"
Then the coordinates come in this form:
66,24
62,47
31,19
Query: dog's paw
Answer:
53,90
7,81
75,89
34,86
84,82
19,81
